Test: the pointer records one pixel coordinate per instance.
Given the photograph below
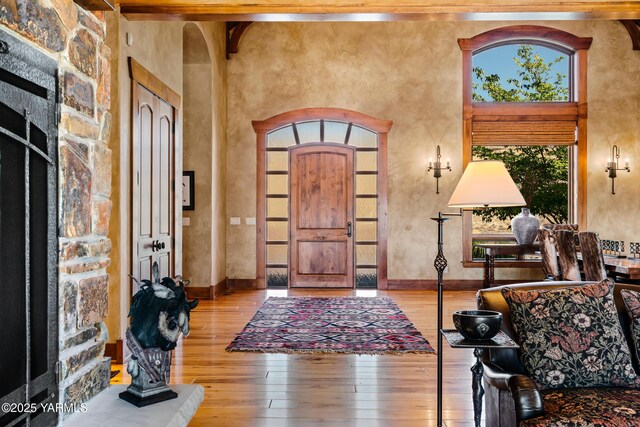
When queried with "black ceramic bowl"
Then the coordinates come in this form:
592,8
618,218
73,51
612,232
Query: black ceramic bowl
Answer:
477,324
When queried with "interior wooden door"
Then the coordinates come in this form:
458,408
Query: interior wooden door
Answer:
153,176
321,179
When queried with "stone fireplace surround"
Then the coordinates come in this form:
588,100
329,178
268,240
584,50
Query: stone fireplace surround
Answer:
75,38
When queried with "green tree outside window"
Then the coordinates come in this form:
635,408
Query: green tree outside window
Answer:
541,172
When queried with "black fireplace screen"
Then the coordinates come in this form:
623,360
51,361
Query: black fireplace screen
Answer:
28,242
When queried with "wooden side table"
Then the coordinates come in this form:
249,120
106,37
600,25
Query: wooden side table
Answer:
456,340
493,249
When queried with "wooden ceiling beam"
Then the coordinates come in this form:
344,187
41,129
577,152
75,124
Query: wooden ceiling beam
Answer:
633,27
94,5
377,10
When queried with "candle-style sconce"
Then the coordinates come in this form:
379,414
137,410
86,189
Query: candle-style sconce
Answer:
613,166
437,168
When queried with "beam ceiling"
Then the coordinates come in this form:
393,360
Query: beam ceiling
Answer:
377,10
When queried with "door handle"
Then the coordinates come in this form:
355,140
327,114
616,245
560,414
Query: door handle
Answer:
349,229
156,245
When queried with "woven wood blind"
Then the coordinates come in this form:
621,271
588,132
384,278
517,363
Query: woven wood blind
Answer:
524,133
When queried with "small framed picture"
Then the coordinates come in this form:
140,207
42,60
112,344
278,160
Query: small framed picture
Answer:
188,190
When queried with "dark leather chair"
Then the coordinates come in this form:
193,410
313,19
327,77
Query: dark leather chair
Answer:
510,395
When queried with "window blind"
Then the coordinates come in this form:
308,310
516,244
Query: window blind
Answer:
524,133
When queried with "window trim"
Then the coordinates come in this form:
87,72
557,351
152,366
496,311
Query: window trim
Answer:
574,110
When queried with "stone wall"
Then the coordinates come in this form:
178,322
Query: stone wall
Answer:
75,38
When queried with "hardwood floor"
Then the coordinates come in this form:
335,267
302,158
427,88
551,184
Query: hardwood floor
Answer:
261,390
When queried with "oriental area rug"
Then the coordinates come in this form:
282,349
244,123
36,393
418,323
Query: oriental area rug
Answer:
354,325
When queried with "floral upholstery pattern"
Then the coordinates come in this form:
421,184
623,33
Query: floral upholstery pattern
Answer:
632,302
571,337
602,407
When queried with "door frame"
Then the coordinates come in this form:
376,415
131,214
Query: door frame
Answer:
143,77
263,127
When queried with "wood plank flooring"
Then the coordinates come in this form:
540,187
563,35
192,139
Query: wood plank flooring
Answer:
264,390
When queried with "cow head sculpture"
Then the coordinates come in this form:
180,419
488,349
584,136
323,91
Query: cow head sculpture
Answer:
160,311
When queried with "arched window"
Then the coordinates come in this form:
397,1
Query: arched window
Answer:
523,71
524,102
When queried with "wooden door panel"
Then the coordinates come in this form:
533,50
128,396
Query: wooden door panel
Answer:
322,194
144,167
321,211
322,257
164,265
165,151
144,264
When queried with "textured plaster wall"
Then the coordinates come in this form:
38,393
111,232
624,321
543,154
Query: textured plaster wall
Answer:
614,118
205,153
215,35
197,158
410,72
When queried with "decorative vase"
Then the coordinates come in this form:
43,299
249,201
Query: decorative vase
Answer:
525,227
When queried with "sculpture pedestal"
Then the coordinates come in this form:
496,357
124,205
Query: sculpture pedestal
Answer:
143,391
140,401
107,410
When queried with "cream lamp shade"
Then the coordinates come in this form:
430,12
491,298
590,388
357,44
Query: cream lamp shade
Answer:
486,183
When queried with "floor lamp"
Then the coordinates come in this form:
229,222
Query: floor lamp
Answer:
485,183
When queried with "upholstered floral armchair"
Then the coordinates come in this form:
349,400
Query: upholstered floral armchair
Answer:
578,363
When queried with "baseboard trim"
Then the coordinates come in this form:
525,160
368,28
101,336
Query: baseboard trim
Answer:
200,292
114,350
235,284
218,289
431,284
393,284
203,292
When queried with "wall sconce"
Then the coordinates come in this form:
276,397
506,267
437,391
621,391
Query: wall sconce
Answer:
437,168
612,166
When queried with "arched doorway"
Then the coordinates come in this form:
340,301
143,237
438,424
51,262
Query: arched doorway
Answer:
284,251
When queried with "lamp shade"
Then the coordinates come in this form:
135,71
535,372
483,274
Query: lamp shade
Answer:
486,183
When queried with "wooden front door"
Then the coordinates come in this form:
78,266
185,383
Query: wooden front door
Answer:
153,189
321,216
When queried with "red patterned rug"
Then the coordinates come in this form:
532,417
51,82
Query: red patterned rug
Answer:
330,325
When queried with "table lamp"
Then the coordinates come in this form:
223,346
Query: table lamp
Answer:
484,183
